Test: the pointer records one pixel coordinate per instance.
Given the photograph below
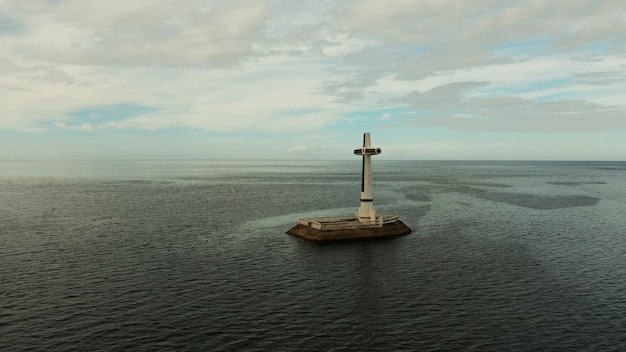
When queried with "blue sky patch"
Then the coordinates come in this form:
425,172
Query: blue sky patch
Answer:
116,112
527,47
9,25
539,85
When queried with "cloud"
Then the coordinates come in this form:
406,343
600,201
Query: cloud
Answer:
521,115
273,94
479,25
141,32
300,67
453,106
299,149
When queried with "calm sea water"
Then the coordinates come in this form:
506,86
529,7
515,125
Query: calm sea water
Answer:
192,256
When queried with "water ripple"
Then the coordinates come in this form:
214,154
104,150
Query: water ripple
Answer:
164,260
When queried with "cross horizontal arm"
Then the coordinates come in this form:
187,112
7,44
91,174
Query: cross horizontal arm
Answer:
367,151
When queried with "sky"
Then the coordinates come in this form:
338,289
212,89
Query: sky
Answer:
272,79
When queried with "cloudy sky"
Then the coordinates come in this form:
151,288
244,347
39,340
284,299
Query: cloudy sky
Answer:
272,79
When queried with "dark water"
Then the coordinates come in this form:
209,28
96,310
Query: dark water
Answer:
192,256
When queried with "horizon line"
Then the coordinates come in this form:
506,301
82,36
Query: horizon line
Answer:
355,160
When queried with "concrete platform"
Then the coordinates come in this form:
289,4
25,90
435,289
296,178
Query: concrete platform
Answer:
333,229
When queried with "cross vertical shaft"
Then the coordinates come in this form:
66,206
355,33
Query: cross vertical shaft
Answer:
366,211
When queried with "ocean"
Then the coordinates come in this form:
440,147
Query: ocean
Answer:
193,256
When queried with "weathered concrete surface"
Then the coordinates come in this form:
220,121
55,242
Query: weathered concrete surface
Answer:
397,228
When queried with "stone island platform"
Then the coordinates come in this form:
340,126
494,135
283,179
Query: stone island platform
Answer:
342,228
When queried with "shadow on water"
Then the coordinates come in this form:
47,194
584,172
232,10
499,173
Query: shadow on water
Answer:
424,193
541,202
